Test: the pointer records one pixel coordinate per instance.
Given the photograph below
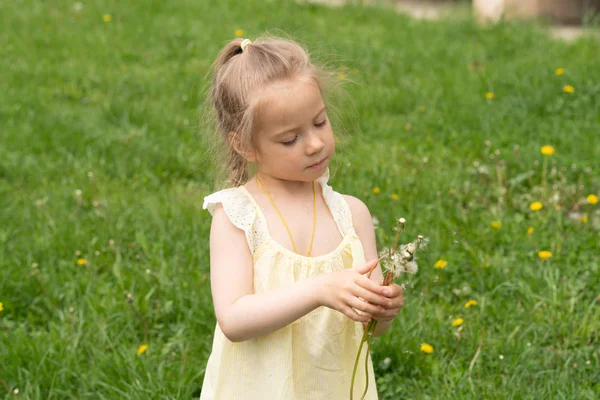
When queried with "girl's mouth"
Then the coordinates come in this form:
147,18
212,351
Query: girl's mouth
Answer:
319,164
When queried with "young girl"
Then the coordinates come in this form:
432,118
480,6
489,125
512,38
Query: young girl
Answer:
287,252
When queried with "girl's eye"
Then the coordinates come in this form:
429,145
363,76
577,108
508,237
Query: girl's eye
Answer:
320,124
291,142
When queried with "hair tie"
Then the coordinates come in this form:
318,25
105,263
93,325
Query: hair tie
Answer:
245,43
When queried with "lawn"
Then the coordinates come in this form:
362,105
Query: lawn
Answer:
103,169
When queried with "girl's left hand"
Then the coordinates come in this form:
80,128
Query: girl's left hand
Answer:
397,297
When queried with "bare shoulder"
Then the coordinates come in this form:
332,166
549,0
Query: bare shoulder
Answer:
222,230
361,216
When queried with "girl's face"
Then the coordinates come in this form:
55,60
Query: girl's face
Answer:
294,139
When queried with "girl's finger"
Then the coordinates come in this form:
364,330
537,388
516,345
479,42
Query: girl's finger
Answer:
353,315
373,286
395,291
364,306
372,297
388,314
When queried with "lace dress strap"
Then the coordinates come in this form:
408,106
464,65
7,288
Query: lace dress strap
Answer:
339,208
242,213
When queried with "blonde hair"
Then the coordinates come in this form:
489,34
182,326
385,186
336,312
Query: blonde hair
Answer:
235,75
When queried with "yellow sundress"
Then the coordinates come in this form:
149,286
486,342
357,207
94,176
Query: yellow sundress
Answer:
309,359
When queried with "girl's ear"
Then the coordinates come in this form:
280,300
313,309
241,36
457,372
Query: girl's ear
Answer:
249,155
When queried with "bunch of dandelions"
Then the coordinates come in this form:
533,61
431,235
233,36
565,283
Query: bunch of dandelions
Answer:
396,261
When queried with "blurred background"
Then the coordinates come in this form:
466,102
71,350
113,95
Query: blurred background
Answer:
478,122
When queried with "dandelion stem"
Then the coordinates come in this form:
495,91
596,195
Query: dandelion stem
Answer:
455,348
369,341
477,352
400,230
141,320
362,341
6,385
544,166
374,266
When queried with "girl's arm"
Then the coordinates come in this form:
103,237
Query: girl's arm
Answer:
243,315
363,225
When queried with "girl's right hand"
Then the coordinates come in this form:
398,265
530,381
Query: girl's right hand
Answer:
349,290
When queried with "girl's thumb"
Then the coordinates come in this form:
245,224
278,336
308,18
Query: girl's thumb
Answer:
368,266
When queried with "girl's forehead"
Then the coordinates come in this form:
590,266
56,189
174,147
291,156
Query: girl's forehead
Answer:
288,102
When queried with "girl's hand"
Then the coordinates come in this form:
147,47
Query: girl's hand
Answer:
349,290
397,301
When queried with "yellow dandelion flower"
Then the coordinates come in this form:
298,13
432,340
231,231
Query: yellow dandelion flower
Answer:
107,18
376,190
1,307
568,89
451,192
470,303
547,150
584,219
536,206
341,75
457,322
592,199
394,196
426,348
421,108
440,264
530,230
559,71
81,261
142,349
496,224
544,254
239,32
489,95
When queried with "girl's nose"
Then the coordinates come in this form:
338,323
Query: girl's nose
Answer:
314,144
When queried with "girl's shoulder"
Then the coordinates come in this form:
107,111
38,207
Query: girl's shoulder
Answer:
241,211
229,198
361,216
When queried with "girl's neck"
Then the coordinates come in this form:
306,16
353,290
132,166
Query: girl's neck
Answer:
285,187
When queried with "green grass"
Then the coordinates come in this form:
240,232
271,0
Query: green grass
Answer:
111,109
